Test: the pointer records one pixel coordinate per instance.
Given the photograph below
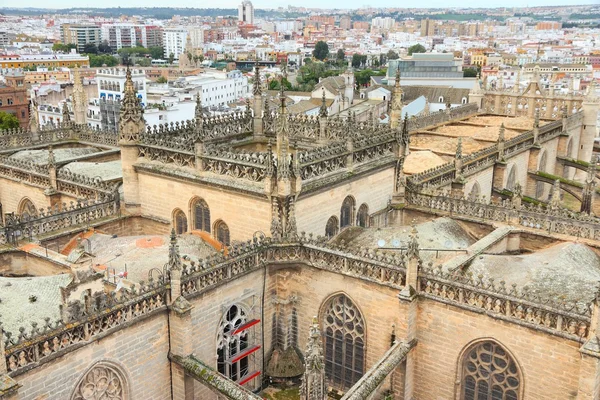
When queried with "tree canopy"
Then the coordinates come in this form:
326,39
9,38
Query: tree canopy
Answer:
321,50
392,55
65,48
8,121
416,48
102,59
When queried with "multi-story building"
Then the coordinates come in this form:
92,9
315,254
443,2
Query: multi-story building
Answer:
80,35
345,22
427,27
45,75
119,36
385,23
548,26
219,89
123,35
174,40
246,13
362,25
111,83
13,97
44,60
426,65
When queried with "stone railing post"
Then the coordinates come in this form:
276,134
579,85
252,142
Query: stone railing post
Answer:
8,386
350,157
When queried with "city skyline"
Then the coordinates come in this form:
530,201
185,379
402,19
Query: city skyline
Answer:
352,4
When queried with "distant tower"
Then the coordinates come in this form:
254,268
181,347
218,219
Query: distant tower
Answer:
246,13
79,99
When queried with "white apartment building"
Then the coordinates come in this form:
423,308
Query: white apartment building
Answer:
111,83
246,13
119,36
197,37
174,40
383,23
219,88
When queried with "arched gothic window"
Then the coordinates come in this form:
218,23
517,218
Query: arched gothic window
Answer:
344,338
512,178
332,227
180,222
222,232
347,212
475,192
103,381
362,216
27,209
489,373
201,214
229,344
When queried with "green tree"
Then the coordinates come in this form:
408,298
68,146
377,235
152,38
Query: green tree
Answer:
275,85
190,57
104,47
470,72
8,121
65,48
171,58
416,48
392,55
156,52
161,79
102,59
341,55
321,50
90,48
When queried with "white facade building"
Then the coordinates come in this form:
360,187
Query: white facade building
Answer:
220,88
119,36
111,83
174,40
383,23
246,13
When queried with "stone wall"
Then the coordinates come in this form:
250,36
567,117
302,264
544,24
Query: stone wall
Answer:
549,365
12,193
313,211
243,214
139,352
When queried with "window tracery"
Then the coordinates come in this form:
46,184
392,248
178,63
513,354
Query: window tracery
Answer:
102,382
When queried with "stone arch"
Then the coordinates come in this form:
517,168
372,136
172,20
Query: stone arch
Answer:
332,227
344,340
347,212
200,214
512,178
539,186
221,231
441,99
475,191
487,370
179,221
103,380
26,208
362,216
463,100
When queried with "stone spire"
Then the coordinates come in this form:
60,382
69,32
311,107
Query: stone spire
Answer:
501,135
405,136
313,381
587,198
555,199
131,119
66,115
79,98
396,113
51,159
282,138
198,109
590,97
500,85
323,110
536,126
256,87
517,87
33,117
413,260
459,153
174,257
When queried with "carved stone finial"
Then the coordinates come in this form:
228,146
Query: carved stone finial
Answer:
198,109
459,153
323,110
501,137
313,381
536,121
66,115
131,118
591,92
413,243
33,116
256,87
51,159
517,87
174,257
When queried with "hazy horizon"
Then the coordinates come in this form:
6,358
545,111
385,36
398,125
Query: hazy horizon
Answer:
350,4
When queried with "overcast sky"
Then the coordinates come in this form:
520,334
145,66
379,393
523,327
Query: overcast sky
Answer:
285,3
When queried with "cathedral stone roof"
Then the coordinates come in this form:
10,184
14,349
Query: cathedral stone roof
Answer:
40,157
433,93
565,271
